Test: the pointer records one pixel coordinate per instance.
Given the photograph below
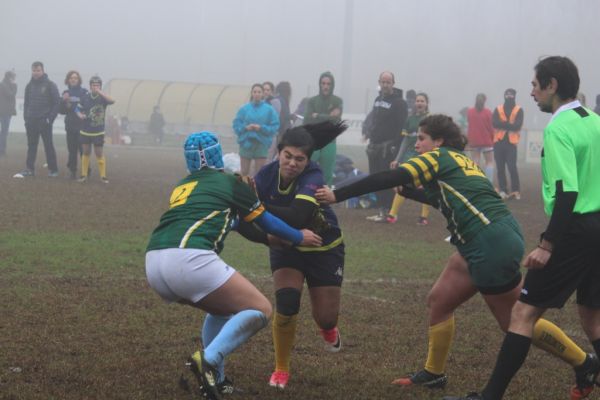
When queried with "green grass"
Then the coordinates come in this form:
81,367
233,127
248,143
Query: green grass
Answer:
75,254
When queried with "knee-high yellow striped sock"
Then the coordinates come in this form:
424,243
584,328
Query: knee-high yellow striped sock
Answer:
85,164
398,200
440,340
102,166
552,339
284,332
424,211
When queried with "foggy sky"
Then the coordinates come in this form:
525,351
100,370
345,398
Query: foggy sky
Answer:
451,49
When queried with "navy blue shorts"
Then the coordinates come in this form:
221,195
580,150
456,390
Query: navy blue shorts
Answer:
97,140
320,268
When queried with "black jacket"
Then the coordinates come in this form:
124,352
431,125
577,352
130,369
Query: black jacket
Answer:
41,99
388,117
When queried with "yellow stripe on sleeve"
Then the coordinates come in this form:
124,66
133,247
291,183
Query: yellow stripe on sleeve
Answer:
434,163
255,213
424,168
412,170
307,198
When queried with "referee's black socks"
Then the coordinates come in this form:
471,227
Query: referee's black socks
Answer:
596,345
512,355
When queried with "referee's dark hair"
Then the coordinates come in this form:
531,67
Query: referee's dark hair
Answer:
440,126
563,70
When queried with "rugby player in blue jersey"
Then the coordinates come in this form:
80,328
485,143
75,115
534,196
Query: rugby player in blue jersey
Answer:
287,187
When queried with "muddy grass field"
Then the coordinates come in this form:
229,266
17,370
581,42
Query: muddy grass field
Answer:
78,320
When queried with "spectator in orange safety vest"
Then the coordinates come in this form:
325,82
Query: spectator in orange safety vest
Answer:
507,121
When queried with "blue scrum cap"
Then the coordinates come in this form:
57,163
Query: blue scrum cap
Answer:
201,150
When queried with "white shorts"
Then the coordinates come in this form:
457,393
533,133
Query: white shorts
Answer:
189,274
482,149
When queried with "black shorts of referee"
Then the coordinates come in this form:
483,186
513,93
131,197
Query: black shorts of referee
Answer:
573,266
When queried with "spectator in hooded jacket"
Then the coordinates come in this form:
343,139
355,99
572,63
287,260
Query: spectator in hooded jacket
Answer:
8,93
325,107
385,135
39,110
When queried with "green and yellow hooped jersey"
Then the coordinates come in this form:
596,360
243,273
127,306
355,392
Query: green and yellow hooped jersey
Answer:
202,208
458,187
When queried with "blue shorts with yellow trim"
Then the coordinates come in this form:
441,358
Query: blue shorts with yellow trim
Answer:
96,140
320,268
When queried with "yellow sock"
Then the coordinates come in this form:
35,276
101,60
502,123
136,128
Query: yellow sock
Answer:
440,340
102,166
398,200
424,211
85,164
284,331
552,339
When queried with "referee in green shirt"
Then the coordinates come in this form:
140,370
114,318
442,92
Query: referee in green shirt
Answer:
568,255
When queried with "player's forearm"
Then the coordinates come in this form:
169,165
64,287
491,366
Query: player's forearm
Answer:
415,194
106,97
275,226
373,183
252,233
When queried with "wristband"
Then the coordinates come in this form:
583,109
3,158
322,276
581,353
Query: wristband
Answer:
544,248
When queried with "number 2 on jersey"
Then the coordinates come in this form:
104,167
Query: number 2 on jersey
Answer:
468,166
181,193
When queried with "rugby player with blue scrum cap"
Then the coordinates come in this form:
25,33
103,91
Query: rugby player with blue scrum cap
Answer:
183,263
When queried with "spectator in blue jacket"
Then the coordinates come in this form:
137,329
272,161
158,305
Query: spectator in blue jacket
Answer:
255,125
40,109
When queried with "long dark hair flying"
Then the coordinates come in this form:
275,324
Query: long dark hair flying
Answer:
311,137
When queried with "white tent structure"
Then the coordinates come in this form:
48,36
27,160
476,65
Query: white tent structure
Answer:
185,106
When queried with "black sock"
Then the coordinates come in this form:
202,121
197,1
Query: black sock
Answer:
596,344
510,358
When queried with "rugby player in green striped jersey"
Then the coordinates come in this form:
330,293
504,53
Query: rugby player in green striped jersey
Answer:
488,240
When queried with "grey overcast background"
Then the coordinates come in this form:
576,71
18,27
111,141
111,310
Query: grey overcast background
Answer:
451,49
